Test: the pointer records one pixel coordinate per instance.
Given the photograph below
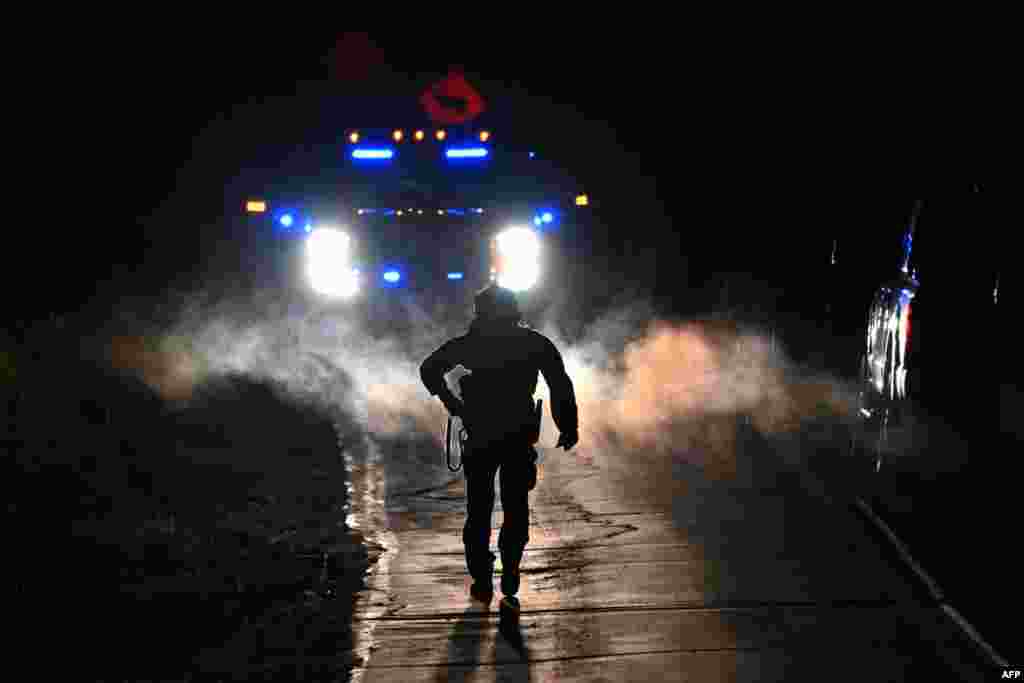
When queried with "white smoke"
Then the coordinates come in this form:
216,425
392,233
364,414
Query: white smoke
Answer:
643,384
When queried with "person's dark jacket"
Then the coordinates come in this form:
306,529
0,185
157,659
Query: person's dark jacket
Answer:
504,359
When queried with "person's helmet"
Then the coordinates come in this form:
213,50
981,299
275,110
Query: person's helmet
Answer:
497,303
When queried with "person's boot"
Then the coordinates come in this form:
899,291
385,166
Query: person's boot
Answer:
509,608
483,582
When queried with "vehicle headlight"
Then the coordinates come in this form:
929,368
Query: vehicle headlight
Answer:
517,258
329,263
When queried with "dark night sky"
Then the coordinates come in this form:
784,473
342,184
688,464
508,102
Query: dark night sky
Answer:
727,168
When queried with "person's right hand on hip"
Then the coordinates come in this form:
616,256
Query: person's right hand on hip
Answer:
452,404
567,440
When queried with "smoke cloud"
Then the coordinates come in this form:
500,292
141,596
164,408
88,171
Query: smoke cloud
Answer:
655,388
644,384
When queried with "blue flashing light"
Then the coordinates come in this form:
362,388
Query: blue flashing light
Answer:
456,212
537,221
547,217
373,153
389,212
287,220
467,153
533,155
454,276
309,227
392,276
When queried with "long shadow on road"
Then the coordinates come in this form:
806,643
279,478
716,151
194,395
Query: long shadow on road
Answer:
471,633
465,647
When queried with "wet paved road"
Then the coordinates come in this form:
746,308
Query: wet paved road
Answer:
664,574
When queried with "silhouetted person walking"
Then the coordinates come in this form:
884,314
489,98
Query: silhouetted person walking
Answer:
498,410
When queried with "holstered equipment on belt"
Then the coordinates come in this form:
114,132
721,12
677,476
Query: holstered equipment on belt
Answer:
538,413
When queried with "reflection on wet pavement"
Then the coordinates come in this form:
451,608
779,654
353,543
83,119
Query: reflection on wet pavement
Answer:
748,577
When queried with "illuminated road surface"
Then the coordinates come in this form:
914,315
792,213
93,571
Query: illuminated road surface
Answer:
662,574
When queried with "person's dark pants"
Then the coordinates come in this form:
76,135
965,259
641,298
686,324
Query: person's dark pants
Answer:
518,473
